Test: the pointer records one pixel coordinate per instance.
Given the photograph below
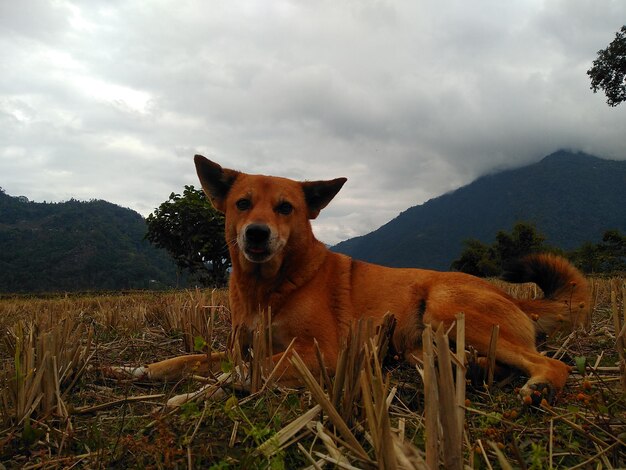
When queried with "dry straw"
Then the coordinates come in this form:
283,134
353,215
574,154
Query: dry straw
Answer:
356,419
192,313
49,356
619,323
442,398
357,401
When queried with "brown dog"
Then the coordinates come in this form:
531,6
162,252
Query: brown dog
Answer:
316,294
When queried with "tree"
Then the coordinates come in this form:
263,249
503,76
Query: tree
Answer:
608,256
587,258
484,260
609,70
613,251
477,259
524,239
192,232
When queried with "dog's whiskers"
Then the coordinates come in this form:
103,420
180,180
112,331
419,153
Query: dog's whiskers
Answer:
231,242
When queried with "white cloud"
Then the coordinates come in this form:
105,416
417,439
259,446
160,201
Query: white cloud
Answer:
407,99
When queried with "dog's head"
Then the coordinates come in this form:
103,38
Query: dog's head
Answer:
265,215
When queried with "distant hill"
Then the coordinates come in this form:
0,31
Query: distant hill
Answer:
570,197
75,246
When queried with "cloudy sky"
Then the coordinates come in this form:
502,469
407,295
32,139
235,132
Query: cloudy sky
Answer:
408,99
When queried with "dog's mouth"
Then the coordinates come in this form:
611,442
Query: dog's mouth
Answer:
257,254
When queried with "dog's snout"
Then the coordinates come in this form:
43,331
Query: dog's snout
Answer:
257,233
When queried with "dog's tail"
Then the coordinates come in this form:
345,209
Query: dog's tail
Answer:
567,297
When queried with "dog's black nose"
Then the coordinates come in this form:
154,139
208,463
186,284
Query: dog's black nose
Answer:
257,233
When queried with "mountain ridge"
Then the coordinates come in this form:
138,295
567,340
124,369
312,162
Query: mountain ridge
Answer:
571,197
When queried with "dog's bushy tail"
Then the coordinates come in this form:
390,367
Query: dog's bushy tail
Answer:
567,297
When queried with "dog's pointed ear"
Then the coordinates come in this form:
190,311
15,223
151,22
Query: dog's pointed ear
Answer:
319,193
216,181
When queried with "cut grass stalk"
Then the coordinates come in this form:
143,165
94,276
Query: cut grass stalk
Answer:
328,442
502,460
275,443
484,454
47,361
114,404
444,424
329,409
315,465
452,427
619,323
491,355
461,370
431,400
338,463
374,390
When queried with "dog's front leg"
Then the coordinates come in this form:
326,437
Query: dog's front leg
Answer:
172,369
283,372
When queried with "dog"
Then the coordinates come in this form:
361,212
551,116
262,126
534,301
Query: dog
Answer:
315,294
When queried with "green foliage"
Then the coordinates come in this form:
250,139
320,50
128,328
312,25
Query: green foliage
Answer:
480,259
221,465
76,245
609,70
484,260
538,456
190,410
258,432
608,256
192,232
199,343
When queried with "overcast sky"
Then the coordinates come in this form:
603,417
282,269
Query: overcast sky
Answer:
408,99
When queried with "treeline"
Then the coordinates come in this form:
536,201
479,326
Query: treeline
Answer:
607,256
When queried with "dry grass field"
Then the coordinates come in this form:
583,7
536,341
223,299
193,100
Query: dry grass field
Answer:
59,410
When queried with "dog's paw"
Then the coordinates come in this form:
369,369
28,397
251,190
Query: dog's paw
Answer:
208,391
535,393
126,372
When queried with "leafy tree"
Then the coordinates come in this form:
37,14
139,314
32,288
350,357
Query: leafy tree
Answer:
609,70
477,259
608,256
192,232
612,252
484,260
522,240
587,258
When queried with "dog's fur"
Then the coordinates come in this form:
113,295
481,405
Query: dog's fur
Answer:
316,294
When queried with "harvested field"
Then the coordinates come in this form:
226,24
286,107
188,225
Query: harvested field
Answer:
58,409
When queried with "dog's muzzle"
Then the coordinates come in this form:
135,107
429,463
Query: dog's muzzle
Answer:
257,242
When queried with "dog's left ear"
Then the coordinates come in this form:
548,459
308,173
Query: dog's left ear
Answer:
319,193
216,181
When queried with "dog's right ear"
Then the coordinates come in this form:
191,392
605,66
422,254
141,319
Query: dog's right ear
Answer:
216,181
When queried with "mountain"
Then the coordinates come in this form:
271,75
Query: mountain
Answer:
75,246
570,197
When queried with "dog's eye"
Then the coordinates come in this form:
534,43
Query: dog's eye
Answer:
243,204
284,208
